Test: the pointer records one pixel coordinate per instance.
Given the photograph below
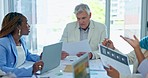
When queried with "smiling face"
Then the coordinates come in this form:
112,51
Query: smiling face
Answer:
25,28
83,19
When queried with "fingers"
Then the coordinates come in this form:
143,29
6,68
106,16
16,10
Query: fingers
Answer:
112,72
123,37
80,54
136,38
105,41
37,66
64,55
40,65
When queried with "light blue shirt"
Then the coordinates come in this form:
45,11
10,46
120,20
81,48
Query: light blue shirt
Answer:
83,34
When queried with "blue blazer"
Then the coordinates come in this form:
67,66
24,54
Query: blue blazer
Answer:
8,55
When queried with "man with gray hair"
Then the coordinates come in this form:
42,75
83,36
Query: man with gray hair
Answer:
83,29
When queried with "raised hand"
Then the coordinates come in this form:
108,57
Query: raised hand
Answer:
133,42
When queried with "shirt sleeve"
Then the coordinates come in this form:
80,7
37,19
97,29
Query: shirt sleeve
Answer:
143,68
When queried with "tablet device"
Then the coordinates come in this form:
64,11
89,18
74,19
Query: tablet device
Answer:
115,59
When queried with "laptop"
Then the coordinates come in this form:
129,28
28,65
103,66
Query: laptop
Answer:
80,67
115,59
51,57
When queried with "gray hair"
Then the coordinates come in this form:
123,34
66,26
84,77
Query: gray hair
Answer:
82,7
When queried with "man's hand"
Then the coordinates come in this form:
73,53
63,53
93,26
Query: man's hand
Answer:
64,55
81,53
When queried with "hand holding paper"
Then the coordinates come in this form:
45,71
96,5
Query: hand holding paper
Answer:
74,48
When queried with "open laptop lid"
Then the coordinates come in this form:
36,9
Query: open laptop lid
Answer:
80,67
115,59
51,56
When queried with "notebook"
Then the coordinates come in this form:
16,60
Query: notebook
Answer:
80,67
51,57
115,59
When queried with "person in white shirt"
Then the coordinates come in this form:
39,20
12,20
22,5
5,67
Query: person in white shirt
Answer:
82,29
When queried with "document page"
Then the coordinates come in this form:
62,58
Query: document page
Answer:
74,47
115,59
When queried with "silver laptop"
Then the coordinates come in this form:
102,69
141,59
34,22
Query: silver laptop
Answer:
51,57
80,67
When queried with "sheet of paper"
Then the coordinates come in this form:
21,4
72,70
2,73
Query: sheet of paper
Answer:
96,65
115,59
74,47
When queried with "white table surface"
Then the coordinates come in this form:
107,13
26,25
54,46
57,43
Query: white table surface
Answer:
96,70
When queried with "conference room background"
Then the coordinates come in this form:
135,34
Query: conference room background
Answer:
48,19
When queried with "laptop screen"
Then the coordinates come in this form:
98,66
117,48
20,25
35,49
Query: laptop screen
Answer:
81,67
51,56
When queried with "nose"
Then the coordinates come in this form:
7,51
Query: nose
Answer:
28,25
80,21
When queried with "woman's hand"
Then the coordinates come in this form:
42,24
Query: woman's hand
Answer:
133,42
64,55
37,66
112,72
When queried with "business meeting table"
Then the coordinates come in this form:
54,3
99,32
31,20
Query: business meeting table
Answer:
95,67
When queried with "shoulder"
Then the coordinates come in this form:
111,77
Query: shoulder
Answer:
71,25
144,39
144,43
5,41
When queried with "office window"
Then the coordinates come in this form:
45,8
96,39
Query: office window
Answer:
49,18
1,10
127,23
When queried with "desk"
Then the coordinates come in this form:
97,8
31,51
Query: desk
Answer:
96,70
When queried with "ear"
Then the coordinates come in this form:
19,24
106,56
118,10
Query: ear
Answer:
19,27
90,15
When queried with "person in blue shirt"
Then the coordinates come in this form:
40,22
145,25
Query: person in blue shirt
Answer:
13,49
